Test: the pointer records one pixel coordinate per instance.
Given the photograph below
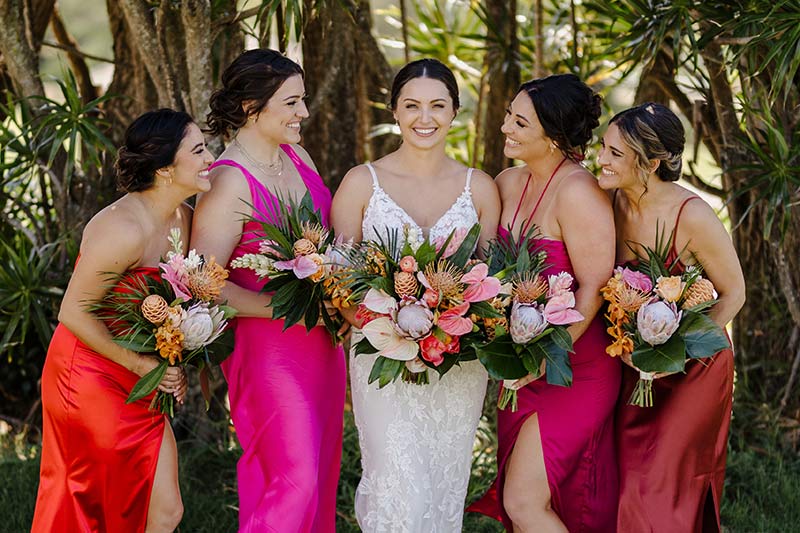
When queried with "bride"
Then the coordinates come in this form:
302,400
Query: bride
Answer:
416,440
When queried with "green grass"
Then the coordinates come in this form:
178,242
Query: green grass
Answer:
762,490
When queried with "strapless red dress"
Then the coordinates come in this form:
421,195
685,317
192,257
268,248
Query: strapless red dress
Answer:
99,454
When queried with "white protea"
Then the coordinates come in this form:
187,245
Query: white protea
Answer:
202,325
527,321
657,321
262,265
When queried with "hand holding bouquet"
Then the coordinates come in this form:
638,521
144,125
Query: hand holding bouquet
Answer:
659,320
535,311
418,305
294,258
173,316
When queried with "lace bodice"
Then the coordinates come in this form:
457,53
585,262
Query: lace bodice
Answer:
383,215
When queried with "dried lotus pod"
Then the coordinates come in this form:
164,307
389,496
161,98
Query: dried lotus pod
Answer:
304,247
405,284
155,309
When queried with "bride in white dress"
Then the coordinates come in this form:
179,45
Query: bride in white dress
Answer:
416,440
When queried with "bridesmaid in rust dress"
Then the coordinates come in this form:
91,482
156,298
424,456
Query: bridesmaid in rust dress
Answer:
108,465
556,466
671,455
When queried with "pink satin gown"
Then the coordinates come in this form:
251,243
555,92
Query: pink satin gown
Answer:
576,423
672,455
287,391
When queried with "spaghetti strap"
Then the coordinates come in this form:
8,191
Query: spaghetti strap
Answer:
469,179
375,184
541,196
521,197
673,250
259,193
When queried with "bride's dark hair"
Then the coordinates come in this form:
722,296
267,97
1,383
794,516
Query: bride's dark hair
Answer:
425,68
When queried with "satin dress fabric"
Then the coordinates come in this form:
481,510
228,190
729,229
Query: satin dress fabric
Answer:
99,454
672,455
576,425
287,393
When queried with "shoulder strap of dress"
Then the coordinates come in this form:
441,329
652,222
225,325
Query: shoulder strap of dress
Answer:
260,195
469,179
673,250
521,197
375,184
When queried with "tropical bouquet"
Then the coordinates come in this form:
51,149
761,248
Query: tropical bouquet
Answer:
535,311
294,255
419,300
658,319
173,316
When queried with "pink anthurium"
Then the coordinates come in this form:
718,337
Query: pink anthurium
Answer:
453,321
303,266
559,310
482,287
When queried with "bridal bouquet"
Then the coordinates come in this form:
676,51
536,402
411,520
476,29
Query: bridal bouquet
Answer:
534,314
660,320
418,306
294,256
173,316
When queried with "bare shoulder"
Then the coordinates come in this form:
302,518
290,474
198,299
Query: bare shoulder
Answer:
116,231
226,181
482,184
580,185
697,214
510,177
357,178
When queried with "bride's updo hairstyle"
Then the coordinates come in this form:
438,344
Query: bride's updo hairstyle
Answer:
567,109
151,142
251,79
425,68
654,133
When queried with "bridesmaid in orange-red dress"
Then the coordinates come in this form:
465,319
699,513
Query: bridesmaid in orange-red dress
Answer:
671,455
108,466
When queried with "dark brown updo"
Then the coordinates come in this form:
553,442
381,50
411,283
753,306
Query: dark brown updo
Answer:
253,76
567,109
653,132
151,142
425,68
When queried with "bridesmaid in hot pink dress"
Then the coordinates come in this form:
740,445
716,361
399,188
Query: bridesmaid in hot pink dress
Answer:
286,388
557,467
671,455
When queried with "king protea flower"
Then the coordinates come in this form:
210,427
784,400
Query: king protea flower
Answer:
526,322
657,321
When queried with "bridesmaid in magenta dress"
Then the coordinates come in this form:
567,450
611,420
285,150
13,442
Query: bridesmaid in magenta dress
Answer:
286,388
557,468
671,455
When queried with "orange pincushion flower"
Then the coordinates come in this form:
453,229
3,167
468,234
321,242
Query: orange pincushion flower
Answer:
206,282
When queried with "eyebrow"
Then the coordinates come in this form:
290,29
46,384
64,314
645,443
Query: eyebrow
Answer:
614,148
198,145
293,96
432,101
523,118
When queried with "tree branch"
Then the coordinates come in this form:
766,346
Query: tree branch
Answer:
196,17
74,50
76,60
698,183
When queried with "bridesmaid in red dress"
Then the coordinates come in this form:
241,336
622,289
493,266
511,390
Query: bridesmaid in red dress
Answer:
557,469
106,465
671,455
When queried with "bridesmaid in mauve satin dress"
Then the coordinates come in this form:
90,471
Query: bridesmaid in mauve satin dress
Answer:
107,465
671,455
556,462
286,387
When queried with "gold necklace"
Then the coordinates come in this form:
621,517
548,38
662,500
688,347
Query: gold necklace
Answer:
271,169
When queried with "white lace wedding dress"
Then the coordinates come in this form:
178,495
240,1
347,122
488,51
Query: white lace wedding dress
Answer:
416,440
